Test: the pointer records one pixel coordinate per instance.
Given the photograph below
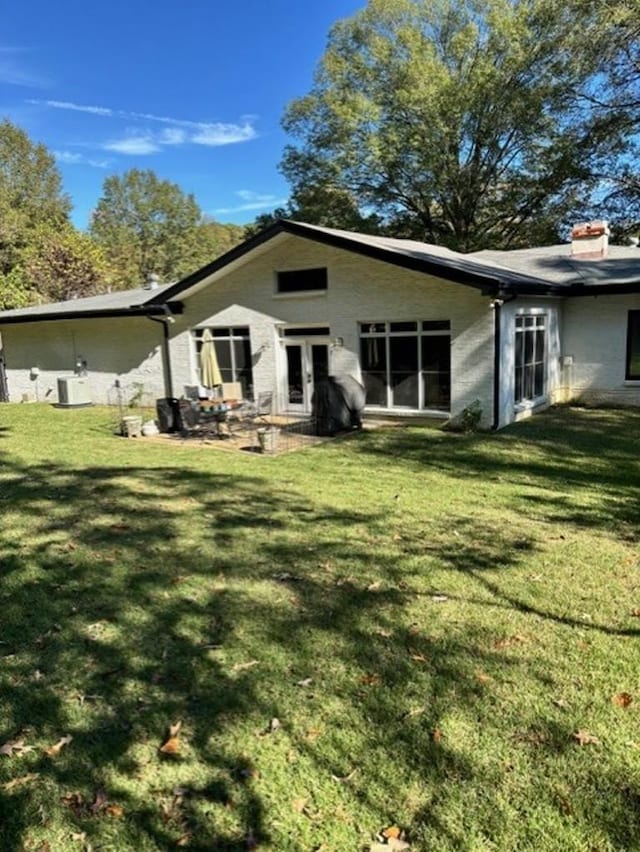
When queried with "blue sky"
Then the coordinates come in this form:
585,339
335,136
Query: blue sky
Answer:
193,90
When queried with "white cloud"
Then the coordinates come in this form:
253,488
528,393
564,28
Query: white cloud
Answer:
211,134
172,136
94,110
223,134
133,144
72,158
252,201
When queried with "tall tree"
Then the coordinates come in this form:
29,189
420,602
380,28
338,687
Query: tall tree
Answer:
146,225
31,199
65,264
454,120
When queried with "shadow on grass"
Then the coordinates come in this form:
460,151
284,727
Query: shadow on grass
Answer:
143,596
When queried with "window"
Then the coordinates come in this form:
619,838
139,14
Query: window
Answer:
530,358
301,280
233,349
633,346
407,364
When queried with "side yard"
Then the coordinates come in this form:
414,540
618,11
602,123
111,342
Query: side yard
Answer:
410,628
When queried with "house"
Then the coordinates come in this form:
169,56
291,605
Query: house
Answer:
427,330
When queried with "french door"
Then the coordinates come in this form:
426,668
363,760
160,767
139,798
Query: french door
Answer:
307,363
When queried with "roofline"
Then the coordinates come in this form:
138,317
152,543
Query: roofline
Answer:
97,313
488,283
582,289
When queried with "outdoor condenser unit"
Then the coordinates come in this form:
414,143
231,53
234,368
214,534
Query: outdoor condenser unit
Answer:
74,390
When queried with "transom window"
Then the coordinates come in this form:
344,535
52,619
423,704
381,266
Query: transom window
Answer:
407,364
301,280
530,357
233,350
633,346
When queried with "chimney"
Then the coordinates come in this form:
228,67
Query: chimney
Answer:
590,240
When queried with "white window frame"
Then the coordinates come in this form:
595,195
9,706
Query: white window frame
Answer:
530,323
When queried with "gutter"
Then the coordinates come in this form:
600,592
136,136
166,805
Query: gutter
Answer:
96,313
503,296
165,320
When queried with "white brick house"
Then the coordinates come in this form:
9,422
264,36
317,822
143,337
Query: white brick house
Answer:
427,330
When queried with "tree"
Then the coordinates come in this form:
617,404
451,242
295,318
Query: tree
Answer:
146,225
456,121
31,199
66,264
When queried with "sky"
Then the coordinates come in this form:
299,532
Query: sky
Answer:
194,90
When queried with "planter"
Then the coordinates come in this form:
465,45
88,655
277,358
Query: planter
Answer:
268,439
131,427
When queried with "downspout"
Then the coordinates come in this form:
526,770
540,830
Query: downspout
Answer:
166,354
502,298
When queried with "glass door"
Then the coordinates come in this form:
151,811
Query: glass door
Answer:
307,364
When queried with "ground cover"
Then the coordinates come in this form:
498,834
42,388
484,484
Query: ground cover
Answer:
407,628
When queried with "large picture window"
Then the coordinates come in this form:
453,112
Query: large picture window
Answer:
233,350
407,364
530,357
633,346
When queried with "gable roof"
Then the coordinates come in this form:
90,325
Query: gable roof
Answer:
546,271
440,262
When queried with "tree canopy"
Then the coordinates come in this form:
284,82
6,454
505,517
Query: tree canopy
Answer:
31,202
456,121
145,225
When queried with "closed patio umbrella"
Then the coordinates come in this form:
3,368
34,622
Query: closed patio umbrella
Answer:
209,362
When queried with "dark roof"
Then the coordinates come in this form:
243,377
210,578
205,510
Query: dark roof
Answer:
409,254
121,303
550,270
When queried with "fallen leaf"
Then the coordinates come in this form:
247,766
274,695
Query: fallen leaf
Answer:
371,680
585,738
392,831
313,734
307,681
114,811
14,746
436,735
622,699
57,748
184,839
174,730
482,677
171,746
240,667
120,527
416,657
373,587
299,805
635,613
17,782
75,801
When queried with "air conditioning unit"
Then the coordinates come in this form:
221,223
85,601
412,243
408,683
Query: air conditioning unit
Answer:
74,391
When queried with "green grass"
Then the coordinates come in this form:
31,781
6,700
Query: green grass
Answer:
463,605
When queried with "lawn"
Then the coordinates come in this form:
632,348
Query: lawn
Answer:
407,628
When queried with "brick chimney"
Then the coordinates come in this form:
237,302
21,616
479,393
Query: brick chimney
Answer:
590,240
